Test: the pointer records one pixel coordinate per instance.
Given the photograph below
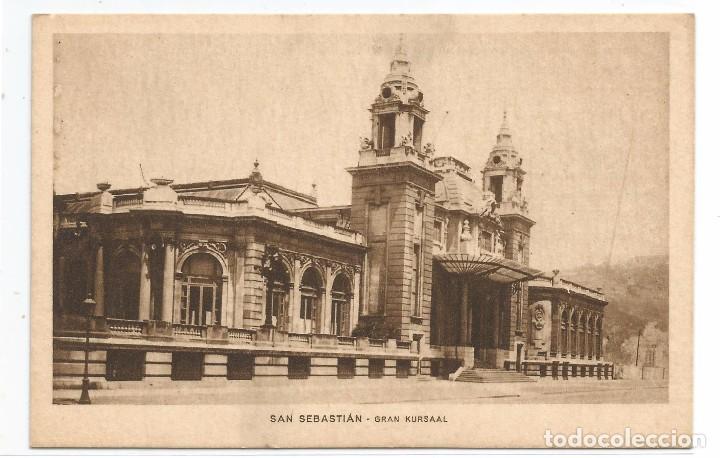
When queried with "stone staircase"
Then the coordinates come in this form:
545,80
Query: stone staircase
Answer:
492,376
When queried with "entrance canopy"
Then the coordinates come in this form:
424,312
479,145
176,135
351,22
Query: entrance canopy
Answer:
496,269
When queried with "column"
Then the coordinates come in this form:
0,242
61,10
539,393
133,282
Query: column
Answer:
294,308
239,284
464,311
327,303
144,298
168,282
355,302
99,281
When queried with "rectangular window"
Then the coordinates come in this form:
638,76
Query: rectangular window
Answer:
386,131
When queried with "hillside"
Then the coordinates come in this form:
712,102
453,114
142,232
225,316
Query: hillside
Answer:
637,292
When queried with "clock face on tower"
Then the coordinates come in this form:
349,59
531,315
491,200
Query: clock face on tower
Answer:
386,92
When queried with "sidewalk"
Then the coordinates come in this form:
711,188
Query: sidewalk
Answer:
372,391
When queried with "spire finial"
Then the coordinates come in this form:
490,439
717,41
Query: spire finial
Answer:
400,53
504,136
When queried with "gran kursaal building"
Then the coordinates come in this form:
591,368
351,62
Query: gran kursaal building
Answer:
426,272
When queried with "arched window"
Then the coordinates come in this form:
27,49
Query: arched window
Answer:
124,286
201,297
340,312
573,333
279,297
310,294
564,325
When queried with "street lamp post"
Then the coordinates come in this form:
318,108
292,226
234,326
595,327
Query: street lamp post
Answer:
87,308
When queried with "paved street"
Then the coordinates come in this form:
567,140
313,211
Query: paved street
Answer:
369,391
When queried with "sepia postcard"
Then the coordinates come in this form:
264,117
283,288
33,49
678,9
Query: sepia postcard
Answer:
448,231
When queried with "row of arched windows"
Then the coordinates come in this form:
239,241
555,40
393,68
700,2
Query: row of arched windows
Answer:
201,292
580,334
309,312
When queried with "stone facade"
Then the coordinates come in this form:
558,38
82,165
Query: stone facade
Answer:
424,272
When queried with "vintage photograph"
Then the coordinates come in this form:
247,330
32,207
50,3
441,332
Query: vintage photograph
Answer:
431,215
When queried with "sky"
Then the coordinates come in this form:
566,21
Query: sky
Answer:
588,113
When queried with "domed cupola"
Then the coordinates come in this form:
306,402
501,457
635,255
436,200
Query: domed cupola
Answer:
504,154
399,84
503,174
398,118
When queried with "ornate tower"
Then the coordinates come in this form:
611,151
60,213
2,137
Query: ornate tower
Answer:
393,206
503,176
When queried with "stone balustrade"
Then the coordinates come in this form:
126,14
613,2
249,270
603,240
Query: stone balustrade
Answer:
153,330
547,282
200,205
125,328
